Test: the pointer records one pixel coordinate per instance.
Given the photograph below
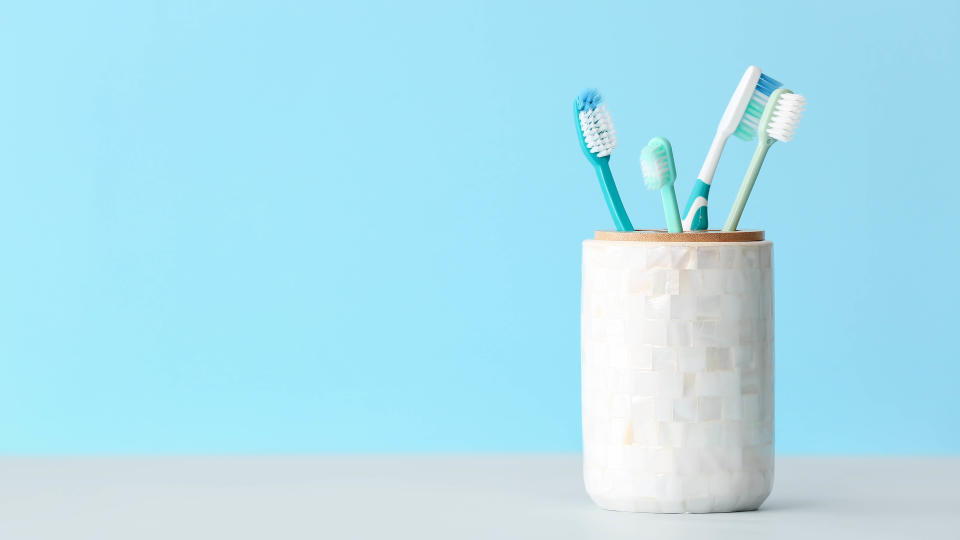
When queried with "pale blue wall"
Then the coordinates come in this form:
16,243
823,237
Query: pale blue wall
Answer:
298,227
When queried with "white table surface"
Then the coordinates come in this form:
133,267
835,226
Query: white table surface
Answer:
448,497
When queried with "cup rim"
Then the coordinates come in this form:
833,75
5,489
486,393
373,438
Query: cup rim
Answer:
660,235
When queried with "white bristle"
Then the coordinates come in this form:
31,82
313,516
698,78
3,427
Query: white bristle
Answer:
786,116
654,168
651,172
760,98
598,131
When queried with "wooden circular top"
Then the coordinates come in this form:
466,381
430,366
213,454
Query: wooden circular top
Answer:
650,235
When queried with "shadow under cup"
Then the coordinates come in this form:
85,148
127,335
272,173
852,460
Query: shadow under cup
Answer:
677,370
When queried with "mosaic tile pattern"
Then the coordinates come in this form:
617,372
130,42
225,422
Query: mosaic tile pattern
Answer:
677,360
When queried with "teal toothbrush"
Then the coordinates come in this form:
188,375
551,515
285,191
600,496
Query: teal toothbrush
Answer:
660,172
778,123
597,140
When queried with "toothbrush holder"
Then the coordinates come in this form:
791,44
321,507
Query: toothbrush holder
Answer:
677,370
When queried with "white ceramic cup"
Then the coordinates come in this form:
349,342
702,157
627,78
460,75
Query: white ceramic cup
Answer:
677,372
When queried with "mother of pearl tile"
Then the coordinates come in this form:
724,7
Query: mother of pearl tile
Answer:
677,362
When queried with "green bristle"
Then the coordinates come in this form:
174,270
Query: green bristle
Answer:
745,133
747,128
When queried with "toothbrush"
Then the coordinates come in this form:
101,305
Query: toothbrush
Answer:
597,140
778,123
740,119
660,172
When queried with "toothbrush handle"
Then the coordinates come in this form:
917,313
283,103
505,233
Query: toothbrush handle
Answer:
612,196
670,209
696,209
747,185
713,157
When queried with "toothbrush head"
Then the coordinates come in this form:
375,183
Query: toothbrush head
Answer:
782,114
594,125
657,165
750,121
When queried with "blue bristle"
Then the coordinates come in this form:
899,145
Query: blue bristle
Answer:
766,85
588,100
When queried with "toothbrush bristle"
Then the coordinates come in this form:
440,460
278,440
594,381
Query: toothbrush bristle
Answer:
786,116
656,165
750,121
596,124
588,100
766,85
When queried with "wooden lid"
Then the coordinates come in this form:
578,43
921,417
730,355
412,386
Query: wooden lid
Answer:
651,235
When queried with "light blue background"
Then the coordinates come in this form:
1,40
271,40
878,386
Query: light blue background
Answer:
233,227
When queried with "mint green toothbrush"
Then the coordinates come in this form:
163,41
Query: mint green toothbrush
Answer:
597,140
778,123
660,172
